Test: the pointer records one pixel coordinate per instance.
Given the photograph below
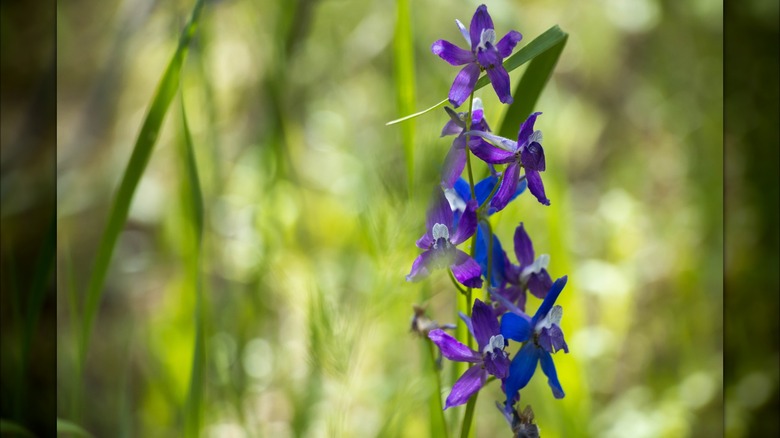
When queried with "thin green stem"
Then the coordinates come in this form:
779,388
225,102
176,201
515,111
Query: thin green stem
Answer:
437,375
484,205
489,257
464,431
455,282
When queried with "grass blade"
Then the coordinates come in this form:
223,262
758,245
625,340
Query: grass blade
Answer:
66,427
166,89
43,269
544,42
403,50
530,88
194,212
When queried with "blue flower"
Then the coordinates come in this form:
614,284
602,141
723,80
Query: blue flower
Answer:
440,241
484,54
542,335
491,359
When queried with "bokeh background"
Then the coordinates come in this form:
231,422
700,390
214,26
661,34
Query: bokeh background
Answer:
310,219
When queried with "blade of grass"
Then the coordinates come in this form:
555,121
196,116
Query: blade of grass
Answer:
544,42
530,88
194,214
67,427
166,89
403,50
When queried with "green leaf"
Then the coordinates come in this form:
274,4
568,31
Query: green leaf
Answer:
166,89
544,42
194,212
403,50
43,269
66,427
530,87
13,429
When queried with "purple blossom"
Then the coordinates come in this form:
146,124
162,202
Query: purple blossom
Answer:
483,55
490,359
530,275
526,152
542,335
455,160
440,241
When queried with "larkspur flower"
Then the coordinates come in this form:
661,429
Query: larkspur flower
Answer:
490,359
530,275
542,335
440,241
526,152
455,160
483,54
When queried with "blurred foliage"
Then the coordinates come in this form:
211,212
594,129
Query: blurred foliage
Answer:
309,223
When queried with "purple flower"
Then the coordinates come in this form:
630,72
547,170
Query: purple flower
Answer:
490,359
456,157
484,55
542,335
531,274
440,241
526,152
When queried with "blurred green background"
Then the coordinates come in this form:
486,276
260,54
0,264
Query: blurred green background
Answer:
310,220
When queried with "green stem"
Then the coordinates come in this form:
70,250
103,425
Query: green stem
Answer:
464,431
437,375
455,283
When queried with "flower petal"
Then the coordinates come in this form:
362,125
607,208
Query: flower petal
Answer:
540,283
489,153
463,189
508,43
439,212
463,84
548,366
536,186
526,129
499,259
524,248
463,31
507,188
549,300
516,327
500,80
452,53
484,323
467,320
479,22
454,162
497,141
483,188
521,370
467,385
453,349
551,339
532,157
421,267
467,225
466,270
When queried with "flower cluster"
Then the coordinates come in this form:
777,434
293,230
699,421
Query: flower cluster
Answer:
461,211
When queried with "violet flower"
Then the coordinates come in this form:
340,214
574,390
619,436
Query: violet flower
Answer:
440,241
542,335
531,274
490,359
483,55
455,160
526,152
